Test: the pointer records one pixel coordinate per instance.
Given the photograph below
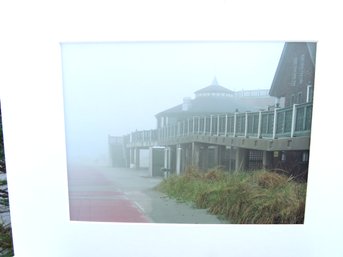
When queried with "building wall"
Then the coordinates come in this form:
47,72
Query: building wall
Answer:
296,71
300,75
294,163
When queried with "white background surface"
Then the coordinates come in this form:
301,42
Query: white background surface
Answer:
33,120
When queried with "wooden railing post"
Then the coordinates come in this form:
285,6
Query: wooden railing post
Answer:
234,124
198,124
259,124
246,125
294,118
275,122
204,124
187,127
183,127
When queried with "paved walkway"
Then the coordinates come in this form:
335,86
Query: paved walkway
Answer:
126,195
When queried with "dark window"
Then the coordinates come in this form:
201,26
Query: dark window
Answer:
294,71
301,69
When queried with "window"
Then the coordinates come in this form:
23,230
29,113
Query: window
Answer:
283,156
301,69
294,71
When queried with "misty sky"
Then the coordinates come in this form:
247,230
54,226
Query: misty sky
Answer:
116,88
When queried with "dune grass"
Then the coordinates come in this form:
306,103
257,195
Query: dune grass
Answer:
259,197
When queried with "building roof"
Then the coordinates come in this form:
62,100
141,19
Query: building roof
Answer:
291,49
207,105
213,88
215,99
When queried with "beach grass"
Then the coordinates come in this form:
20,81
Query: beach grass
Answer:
254,197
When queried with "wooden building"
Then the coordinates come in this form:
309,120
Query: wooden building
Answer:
243,130
294,84
294,77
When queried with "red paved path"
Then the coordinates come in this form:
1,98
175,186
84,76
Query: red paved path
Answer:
88,201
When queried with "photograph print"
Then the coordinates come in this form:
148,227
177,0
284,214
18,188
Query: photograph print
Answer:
188,132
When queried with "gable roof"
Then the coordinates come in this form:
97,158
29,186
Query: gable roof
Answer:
290,50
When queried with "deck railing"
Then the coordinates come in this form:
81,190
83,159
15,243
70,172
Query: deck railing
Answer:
279,123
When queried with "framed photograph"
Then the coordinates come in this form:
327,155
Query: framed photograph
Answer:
37,128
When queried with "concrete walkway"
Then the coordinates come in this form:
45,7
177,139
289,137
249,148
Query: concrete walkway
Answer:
126,195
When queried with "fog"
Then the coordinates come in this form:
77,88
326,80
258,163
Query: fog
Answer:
117,88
